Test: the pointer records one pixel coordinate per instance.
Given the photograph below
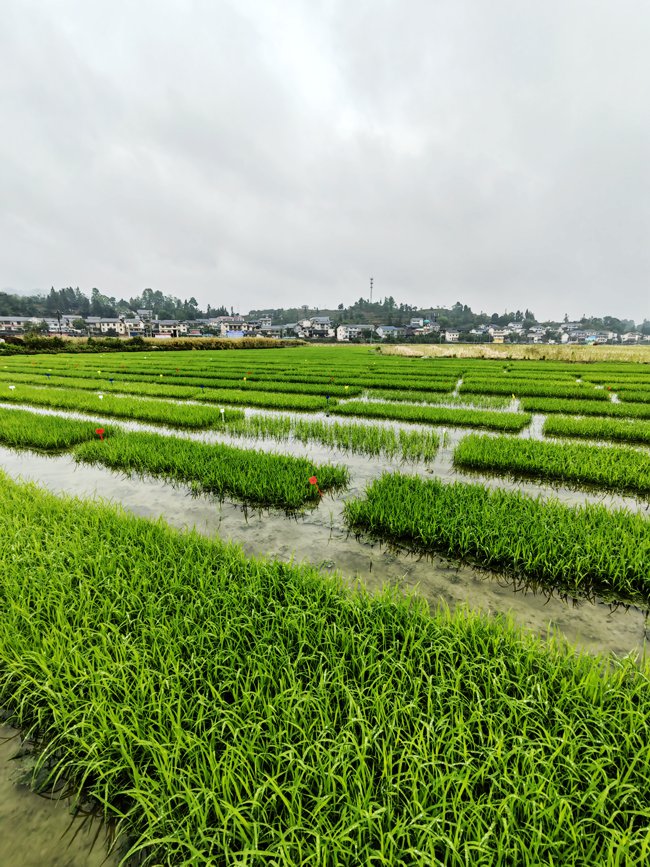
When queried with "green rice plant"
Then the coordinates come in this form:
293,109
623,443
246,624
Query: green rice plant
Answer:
508,421
139,389
268,400
634,396
338,385
231,395
292,380
585,407
254,477
360,438
623,430
23,429
158,411
276,383
409,396
583,551
533,388
415,445
483,401
345,384
619,468
226,710
198,381
617,378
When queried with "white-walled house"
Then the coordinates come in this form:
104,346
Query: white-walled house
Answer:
17,324
384,331
107,324
348,332
169,326
632,337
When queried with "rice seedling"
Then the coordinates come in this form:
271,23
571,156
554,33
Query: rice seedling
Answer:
624,430
258,384
232,395
158,411
268,400
508,421
483,401
584,551
634,396
585,407
618,377
226,710
254,477
533,388
359,438
618,468
23,429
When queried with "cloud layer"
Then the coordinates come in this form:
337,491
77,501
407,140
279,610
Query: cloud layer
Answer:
263,154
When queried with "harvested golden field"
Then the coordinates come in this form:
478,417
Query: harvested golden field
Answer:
543,352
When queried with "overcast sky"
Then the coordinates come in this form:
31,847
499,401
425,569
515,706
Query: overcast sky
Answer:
273,153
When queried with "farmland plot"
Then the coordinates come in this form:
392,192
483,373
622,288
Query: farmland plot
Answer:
237,756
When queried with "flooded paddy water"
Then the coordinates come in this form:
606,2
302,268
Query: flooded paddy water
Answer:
319,537
39,831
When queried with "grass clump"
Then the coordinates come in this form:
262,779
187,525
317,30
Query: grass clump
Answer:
254,477
619,468
584,551
233,711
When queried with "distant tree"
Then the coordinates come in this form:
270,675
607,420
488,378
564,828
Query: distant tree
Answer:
611,323
35,328
101,305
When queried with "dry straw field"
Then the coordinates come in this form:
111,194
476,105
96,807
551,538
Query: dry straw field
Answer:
638,354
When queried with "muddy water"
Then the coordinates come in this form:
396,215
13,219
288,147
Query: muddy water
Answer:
320,538
38,831
36,827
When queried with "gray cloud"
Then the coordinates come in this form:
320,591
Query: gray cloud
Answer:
262,154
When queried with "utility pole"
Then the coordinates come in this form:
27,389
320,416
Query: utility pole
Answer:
371,282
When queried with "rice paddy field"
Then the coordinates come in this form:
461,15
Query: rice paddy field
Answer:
325,606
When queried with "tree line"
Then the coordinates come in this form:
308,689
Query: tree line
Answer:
71,301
